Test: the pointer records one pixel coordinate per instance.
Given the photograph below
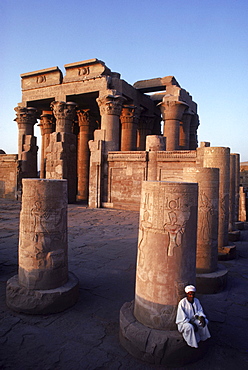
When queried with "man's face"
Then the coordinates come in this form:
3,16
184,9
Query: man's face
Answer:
190,296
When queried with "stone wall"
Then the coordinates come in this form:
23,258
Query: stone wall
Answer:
127,170
9,174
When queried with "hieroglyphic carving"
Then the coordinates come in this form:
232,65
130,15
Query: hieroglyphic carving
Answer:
83,71
48,235
206,210
176,226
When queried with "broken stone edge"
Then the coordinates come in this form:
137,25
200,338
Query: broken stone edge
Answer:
154,346
38,302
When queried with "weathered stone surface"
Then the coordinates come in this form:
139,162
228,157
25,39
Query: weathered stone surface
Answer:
43,260
207,221
41,302
42,78
42,284
166,250
160,347
219,157
212,282
9,176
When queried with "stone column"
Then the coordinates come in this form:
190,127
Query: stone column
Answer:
129,125
27,148
237,184
83,154
154,143
208,209
110,105
43,284
145,128
172,114
165,265
184,132
166,251
219,157
242,205
46,127
64,114
232,193
62,151
193,139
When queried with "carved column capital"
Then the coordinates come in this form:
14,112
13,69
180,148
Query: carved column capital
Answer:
83,118
129,114
110,104
25,116
64,114
46,123
172,109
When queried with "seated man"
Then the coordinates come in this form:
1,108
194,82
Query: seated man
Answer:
191,320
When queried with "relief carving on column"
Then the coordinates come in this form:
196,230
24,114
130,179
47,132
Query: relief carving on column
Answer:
176,225
110,103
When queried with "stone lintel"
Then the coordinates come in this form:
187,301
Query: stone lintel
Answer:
85,70
41,78
155,84
84,63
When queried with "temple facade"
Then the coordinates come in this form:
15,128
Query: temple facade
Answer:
94,129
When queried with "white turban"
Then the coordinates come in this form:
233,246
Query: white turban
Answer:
189,288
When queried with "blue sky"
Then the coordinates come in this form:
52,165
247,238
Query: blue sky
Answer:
203,43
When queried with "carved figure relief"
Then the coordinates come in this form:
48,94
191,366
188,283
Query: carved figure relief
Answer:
49,233
176,225
206,211
40,79
83,71
144,225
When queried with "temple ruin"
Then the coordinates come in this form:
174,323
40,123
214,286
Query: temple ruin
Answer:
136,148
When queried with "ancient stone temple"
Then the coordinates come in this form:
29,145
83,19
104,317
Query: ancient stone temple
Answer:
87,116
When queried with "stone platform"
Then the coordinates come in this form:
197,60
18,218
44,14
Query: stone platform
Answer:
159,347
37,302
213,282
227,253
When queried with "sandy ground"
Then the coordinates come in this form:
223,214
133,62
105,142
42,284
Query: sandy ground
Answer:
102,254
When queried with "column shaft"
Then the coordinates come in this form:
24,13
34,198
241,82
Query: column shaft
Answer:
219,157
166,250
43,234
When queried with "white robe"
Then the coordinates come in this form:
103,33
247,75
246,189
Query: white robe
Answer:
185,314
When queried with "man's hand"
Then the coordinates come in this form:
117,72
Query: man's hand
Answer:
202,321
